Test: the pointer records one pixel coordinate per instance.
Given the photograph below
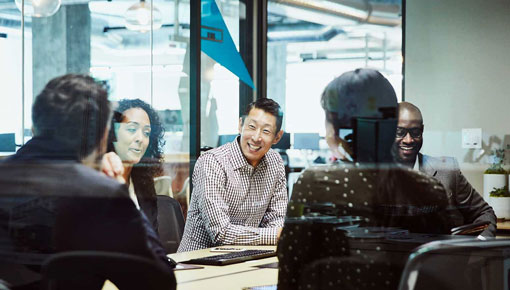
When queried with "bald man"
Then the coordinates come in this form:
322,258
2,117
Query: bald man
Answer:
461,194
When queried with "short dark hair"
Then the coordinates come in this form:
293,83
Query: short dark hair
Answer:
73,110
358,93
269,106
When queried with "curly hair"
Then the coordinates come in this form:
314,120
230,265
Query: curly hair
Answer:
151,163
154,152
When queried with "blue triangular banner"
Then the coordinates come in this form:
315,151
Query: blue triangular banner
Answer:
217,42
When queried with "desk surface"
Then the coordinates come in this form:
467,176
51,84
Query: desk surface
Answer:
235,276
503,225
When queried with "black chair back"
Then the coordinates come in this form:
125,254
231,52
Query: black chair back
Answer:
170,223
468,264
89,269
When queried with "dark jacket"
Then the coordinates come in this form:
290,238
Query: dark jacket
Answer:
461,194
52,203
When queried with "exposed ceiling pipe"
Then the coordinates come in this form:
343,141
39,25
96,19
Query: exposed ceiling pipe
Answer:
338,12
304,36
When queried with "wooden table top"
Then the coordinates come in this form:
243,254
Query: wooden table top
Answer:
235,276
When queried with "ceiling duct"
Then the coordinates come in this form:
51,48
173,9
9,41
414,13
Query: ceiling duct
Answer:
324,34
13,23
339,12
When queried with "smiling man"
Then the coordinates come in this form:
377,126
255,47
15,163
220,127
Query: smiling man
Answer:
239,189
461,194
409,138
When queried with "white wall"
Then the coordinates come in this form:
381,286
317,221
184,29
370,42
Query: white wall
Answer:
457,71
10,75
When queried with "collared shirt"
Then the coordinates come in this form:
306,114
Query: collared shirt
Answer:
416,166
234,203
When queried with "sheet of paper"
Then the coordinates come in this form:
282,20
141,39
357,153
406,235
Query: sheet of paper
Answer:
186,267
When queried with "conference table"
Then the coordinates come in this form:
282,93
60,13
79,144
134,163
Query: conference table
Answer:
235,276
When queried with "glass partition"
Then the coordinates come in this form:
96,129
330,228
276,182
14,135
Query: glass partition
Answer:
11,49
135,61
309,44
222,69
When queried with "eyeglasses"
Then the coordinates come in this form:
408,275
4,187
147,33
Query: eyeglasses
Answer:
414,132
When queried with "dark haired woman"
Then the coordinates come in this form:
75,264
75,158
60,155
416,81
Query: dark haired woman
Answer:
136,136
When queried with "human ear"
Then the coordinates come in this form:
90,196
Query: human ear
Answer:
278,137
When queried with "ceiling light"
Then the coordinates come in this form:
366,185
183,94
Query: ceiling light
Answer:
39,8
138,17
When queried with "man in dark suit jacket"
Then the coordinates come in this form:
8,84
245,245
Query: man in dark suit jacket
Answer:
52,200
469,203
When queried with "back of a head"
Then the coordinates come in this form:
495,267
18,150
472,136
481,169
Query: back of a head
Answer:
363,100
344,217
73,110
361,93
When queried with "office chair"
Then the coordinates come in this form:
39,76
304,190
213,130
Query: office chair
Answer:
170,223
89,269
163,185
466,264
348,273
183,195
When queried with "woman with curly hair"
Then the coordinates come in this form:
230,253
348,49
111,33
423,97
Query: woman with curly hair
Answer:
136,136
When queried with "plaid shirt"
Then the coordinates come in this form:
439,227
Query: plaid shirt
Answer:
234,203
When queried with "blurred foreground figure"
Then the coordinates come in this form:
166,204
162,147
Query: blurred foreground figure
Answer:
53,201
353,223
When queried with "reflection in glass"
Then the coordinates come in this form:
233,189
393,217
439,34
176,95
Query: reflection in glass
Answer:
219,85
138,17
39,8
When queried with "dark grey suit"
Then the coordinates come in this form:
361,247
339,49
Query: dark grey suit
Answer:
461,194
49,202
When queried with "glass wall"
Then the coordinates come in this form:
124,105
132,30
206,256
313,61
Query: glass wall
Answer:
311,44
222,69
134,59
12,70
308,45
150,65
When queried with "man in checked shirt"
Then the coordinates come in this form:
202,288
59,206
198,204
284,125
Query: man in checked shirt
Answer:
239,189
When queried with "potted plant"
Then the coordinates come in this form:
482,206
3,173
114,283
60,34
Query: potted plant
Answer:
499,199
495,176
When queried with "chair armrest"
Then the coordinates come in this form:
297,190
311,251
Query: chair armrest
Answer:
470,229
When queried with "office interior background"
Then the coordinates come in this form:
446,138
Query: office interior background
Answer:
449,57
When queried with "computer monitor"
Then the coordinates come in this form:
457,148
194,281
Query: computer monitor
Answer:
7,142
224,139
171,119
306,141
284,143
